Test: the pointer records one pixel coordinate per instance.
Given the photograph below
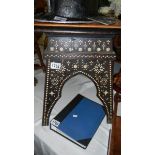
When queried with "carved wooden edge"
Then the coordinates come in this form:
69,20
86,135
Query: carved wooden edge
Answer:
117,25
92,55
46,91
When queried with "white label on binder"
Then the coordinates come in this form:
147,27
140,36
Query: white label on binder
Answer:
55,122
55,65
75,116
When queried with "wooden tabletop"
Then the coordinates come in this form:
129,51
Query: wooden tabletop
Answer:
117,25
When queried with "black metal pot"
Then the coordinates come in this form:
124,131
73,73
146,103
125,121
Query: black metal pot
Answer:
74,8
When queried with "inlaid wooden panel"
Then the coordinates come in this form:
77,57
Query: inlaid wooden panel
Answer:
63,66
78,44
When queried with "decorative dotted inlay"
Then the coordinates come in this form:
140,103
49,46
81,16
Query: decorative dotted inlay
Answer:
98,71
91,57
67,44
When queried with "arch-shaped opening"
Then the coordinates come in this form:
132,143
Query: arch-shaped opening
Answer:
73,84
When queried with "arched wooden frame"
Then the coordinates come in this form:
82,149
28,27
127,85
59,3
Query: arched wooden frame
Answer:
98,70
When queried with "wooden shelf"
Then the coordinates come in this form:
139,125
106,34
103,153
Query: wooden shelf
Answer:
117,25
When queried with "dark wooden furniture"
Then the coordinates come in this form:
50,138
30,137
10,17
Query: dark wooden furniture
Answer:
38,52
115,145
78,49
40,6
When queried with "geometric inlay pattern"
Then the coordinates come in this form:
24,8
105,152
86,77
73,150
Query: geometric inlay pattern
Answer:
70,44
97,67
